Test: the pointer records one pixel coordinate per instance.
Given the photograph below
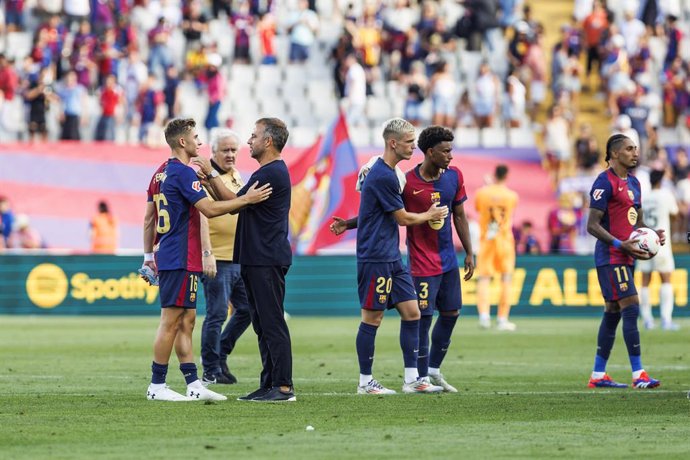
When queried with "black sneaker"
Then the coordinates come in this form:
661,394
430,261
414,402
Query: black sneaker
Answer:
226,372
210,379
254,394
277,395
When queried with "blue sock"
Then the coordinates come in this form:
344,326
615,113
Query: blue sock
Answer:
440,339
409,342
605,339
632,335
366,337
189,372
423,357
158,372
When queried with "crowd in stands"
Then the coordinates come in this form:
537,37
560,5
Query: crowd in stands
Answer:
95,66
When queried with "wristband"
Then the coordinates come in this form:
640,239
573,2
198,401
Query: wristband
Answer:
148,257
616,243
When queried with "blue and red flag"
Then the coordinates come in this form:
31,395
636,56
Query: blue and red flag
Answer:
324,183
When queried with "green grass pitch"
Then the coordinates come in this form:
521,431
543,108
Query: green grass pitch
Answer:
74,387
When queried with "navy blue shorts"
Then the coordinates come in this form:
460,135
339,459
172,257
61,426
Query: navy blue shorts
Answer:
178,288
441,292
383,285
616,282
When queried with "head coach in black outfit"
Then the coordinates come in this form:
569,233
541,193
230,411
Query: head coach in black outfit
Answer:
263,251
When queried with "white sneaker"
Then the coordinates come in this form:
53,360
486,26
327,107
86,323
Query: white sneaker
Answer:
485,323
164,393
421,385
201,393
669,326
374,388
505,326
649,325
438,380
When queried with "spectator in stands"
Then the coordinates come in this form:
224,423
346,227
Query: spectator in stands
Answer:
526,242
536,64
417,85
108,56
23,236
147,103
242,21
37,96
515,101
171,90
562,224
6,219
104,231
558,144
681,165
674,37
194,23
134,75
159,53
464,113
266,28
487,96
111,98
14,15
632,30
355,91
676,99
639,119
593,26
586,150
215,87
76,11
302,26
9,84
103,16
623,125
74,102
443,90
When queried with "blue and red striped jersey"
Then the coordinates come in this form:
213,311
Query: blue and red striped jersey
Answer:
430,245
174,189
620,201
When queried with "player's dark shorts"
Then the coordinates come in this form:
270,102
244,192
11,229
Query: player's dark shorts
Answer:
178,288
383,285
616,282
440,292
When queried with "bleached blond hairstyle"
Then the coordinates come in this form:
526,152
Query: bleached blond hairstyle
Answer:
396,127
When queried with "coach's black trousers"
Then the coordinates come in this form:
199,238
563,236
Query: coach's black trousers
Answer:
266,292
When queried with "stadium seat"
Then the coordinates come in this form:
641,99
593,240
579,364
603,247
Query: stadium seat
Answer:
466,137
302,136
493,137
668,136
359,136
18,45
521,137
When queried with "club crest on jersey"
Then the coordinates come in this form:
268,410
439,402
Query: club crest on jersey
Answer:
597,194
382,298
623,287
423,304
630,195
435,197
160,177
196,186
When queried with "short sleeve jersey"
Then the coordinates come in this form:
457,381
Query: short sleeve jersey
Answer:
261,238
658,206
174,189
430,245
495,204
378,236
619,200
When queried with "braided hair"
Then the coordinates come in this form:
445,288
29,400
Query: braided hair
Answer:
614,143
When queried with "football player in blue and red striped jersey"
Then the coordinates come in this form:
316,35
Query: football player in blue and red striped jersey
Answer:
432,259
171,231
615,211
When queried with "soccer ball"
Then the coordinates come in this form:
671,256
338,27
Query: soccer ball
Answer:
648,240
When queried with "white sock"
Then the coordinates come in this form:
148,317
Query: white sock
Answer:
157,386
484,317
598,375
411,374
666,302
645,305
364,379
195,384
434,371
637,374
501,320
